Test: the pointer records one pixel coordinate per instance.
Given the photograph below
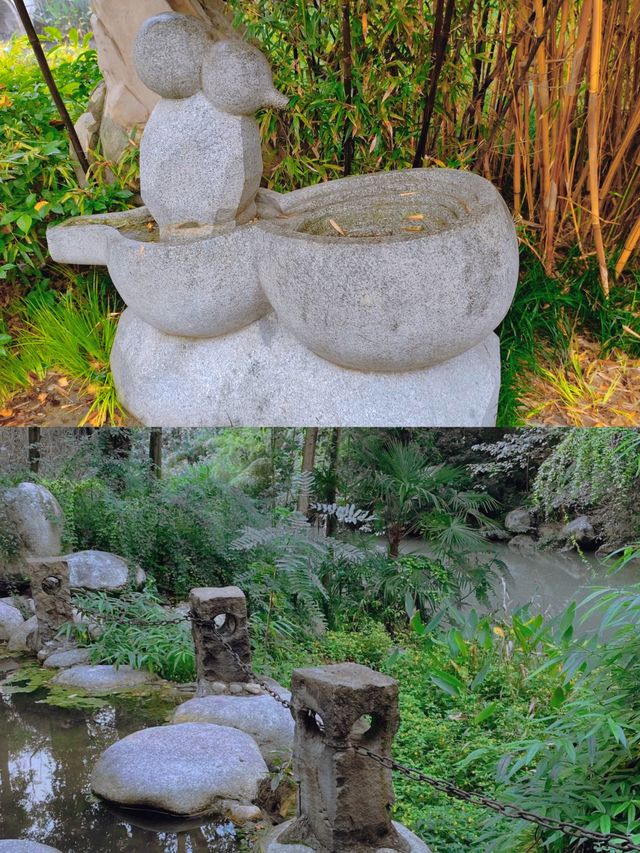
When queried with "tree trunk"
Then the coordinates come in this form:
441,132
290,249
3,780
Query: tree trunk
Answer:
308,462
155,451
394,535
334,451
34,436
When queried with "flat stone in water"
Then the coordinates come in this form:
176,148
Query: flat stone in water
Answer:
272,845
103,678
269,723
67,658
188,769
11,845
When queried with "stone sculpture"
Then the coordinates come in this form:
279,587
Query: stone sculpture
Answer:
362,301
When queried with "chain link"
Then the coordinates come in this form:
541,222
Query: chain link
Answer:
622,842
508,810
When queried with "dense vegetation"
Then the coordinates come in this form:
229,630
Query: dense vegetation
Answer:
374,86
544,712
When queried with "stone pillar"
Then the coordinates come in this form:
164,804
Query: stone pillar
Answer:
226,608
51,595
345,797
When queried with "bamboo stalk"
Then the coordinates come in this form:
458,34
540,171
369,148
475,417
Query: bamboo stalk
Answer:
630,244
593,128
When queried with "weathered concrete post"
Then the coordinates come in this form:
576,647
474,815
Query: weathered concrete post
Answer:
345,797
51,595
226,609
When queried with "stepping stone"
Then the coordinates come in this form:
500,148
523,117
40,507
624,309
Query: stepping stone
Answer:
10,619
97,570
67,658
189,769
11,845
268,723
103,678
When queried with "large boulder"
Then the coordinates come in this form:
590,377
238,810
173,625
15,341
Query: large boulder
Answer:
103,678
269,723
25,637
97,570
10,619
37,517
11,845
579,532
518,521
190,769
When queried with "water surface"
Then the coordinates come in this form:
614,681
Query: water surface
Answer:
46,758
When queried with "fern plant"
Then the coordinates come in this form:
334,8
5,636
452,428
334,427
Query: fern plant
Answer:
303,564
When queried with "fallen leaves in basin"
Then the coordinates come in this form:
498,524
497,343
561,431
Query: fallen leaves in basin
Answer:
337,228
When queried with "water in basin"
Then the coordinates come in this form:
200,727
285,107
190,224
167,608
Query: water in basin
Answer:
407,214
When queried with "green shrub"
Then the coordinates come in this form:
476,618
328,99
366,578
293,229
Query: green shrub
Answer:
38,183
131,634
179,529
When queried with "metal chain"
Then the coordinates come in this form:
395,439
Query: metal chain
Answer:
508,810
247,669
623,842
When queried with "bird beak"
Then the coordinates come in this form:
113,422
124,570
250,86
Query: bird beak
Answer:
277,100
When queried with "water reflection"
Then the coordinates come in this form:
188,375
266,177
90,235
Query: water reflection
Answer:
46,758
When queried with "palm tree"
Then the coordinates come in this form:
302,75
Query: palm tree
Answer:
412,496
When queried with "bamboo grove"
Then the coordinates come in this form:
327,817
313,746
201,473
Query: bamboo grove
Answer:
540,96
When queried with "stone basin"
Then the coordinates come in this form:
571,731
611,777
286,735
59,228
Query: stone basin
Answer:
393,271
194,288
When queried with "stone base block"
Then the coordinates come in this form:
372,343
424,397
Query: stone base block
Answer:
273,845
262,376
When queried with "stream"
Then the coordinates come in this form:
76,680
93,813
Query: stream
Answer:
46,758
547,580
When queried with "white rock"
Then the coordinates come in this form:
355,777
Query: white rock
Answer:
38,519
187,769
10,620
103,678
269,723
518,520
25,637
97,570
19,846
67,658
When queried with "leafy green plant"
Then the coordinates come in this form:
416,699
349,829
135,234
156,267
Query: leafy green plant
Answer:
73,332
136,630
37,177
178,529
64,14
583,766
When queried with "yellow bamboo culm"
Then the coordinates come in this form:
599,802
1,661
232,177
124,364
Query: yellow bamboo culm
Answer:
593,125
632,241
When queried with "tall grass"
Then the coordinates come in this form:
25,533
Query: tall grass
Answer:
543,98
